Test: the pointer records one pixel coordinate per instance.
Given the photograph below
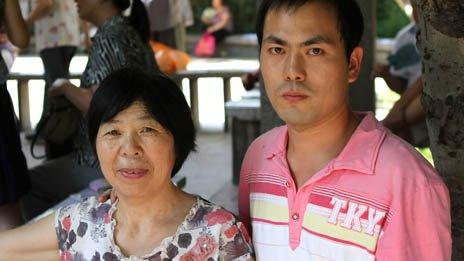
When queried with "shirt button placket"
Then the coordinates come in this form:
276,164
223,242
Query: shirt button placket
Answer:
287,184
295,216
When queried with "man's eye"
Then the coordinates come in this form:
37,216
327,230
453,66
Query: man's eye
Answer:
315,51
276,50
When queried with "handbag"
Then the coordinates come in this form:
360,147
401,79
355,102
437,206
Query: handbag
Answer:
58,125
206,46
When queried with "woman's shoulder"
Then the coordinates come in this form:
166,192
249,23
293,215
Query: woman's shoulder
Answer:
89,209
213,227
206,213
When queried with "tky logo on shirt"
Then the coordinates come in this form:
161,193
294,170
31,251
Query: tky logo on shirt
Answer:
355,216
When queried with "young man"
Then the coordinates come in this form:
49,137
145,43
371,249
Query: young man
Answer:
332,184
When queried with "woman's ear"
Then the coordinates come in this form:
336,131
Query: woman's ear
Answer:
354,66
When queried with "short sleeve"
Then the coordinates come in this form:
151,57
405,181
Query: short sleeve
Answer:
420,228
235,243
64,228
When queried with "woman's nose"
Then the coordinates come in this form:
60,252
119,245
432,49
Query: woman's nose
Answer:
131,147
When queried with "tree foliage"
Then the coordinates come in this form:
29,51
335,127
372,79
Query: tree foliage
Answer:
390,18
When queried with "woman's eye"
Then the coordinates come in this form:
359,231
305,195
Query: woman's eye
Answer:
112,133
276,50
315,51
147,130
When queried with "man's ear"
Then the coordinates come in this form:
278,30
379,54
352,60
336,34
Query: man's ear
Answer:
354,67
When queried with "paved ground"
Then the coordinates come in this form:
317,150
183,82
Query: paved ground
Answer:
208,171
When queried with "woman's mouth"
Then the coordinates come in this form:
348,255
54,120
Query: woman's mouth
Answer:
133,173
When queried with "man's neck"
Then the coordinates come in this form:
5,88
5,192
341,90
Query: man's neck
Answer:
311,148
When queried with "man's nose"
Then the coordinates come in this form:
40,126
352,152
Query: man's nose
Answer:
295,68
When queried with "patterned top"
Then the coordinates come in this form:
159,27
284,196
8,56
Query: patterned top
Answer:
405,58
60,27
218,17
115,45
208,232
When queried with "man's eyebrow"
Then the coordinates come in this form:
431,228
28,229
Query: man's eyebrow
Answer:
275,39
318,39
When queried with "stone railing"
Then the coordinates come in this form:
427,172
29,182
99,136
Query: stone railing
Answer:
193,76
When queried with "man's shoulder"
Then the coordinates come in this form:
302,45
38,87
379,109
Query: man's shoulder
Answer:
399,160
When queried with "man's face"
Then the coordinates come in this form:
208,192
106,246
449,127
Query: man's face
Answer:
304,65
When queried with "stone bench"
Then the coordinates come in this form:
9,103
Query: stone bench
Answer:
245,116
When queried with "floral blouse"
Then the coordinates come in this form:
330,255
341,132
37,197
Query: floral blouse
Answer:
208,232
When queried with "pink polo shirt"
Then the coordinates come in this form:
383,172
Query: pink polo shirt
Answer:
378,200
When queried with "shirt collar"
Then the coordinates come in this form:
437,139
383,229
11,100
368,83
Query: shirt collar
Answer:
110,23
360,153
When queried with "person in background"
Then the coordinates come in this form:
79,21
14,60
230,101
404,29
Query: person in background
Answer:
221,24
14,176
332,184
162,22
119,42
7,50
141,128
168,20
56,28
403,75
183,14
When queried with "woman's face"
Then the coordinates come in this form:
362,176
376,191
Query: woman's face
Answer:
86,8
136,153
217,3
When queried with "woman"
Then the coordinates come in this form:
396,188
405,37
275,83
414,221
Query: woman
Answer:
14,180
141,135
119,42
220,26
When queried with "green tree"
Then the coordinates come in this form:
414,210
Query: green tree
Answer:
390,18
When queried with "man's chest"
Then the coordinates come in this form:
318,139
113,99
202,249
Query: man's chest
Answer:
320,219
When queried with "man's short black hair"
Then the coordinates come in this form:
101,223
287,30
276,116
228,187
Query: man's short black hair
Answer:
350,18
162,98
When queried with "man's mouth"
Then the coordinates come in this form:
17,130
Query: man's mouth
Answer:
294,96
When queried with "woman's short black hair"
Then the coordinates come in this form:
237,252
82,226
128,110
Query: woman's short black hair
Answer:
350,18
162,98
